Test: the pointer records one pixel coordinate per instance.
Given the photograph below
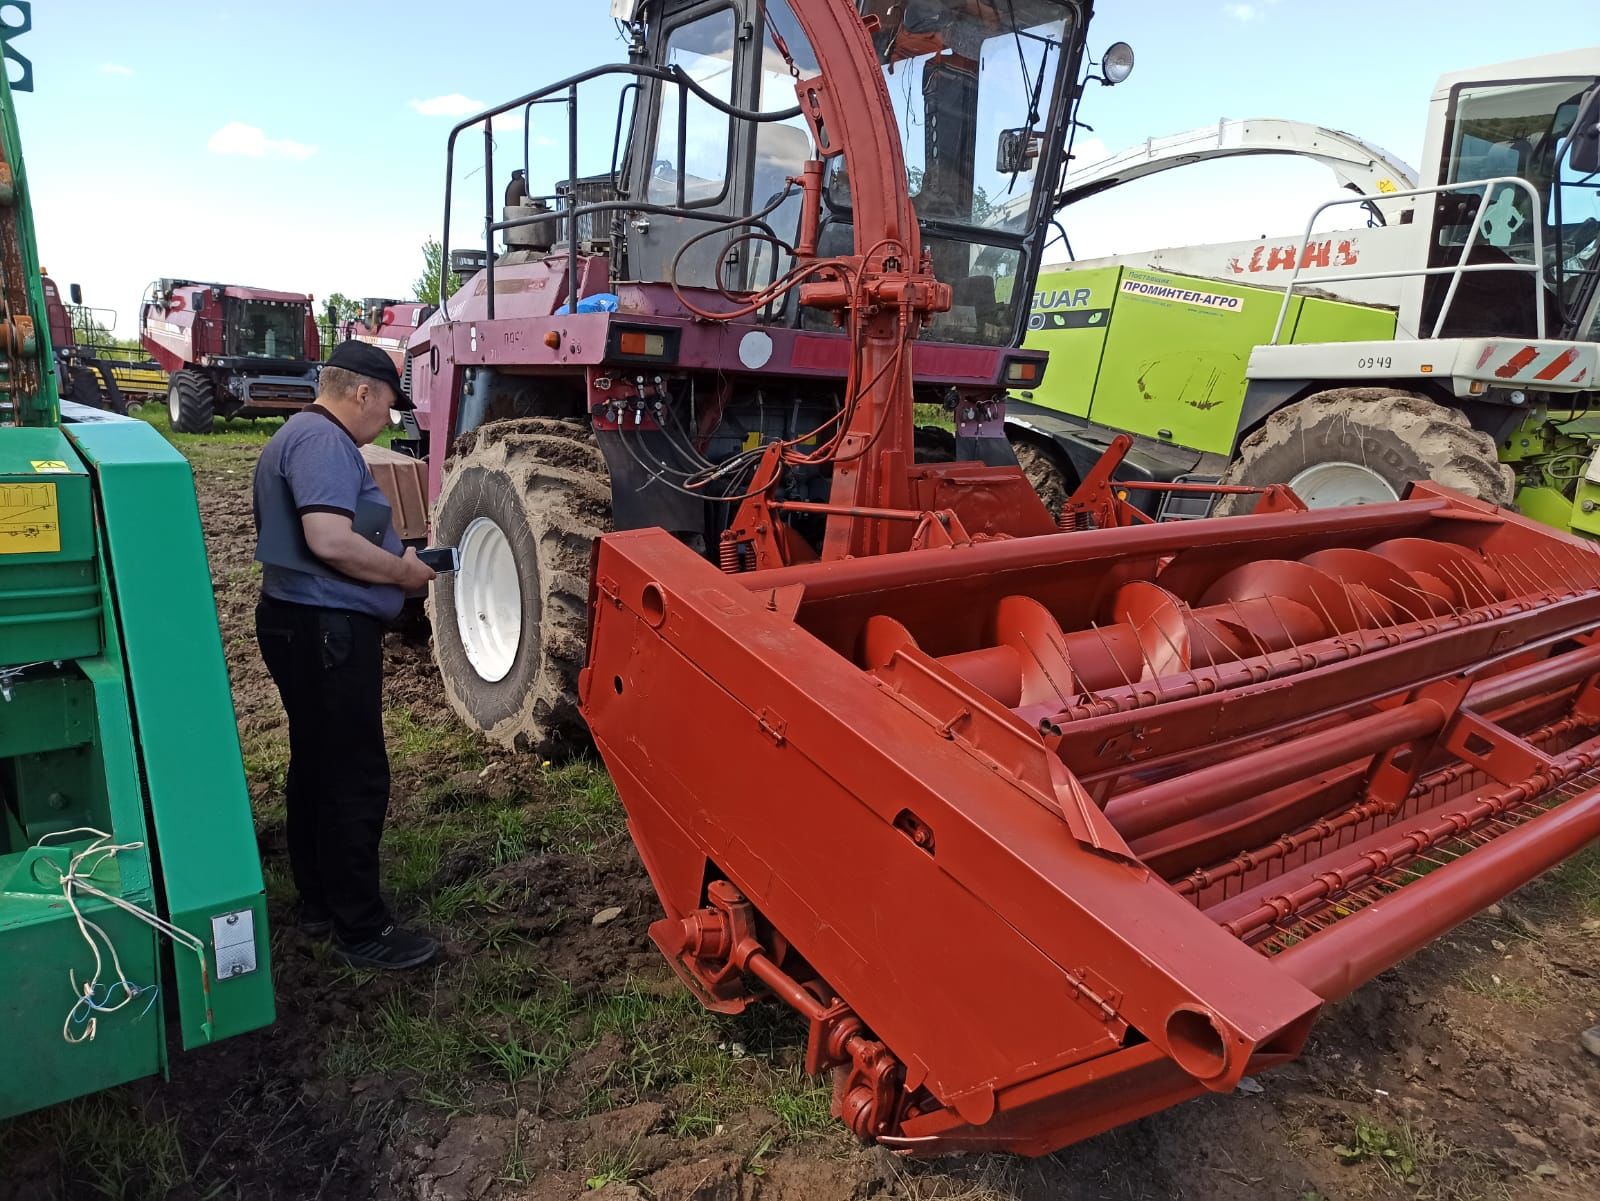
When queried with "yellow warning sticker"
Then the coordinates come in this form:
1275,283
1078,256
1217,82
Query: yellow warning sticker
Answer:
1387,185
50,466
29,521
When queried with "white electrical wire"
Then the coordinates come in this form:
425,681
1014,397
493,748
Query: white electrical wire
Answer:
77,879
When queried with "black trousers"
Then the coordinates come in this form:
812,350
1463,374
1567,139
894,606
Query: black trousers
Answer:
328,666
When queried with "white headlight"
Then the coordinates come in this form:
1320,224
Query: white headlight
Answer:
1117,63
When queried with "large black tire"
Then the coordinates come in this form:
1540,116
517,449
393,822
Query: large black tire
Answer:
83,386
1398,437
544,484
933,444
1045,474
191,402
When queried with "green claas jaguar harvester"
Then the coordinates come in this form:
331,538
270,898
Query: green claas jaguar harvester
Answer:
131,898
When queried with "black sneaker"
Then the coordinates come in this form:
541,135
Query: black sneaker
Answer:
313,922
394,950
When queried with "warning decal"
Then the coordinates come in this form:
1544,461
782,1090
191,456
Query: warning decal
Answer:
1204,300
29,521
50,466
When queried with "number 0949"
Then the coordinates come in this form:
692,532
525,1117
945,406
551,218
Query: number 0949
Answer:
1380,362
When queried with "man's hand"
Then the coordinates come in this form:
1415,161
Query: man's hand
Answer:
415,573
332,540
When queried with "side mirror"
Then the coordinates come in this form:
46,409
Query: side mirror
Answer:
1017,151
200,301
1585,136
77,294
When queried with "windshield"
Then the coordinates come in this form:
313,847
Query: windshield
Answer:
266,329
1516,130
971,82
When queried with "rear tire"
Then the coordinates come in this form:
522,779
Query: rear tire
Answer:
84,387
191,403
1350,446
524,501
933,444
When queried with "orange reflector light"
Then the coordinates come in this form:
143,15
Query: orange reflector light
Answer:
1479,387
552,339
1022,371
1427,369
649,345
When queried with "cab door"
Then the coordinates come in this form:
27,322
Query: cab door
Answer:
689,149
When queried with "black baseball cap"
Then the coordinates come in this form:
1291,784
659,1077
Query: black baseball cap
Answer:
363,358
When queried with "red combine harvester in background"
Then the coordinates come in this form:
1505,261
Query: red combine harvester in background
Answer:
230,351
1040,831
387,324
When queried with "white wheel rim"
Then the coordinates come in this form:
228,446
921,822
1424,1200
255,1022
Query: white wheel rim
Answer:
488,600
1337,485
172,404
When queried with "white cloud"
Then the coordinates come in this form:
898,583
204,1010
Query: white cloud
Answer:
1248,12
452,104
115,69
238,138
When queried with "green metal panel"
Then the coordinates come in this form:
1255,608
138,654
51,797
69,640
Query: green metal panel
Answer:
1175,361
1320,320
49,596
1545,505
1070,317
69,757
188,740
1165,355
41,1067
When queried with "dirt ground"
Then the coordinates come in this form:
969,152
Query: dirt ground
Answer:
551,1055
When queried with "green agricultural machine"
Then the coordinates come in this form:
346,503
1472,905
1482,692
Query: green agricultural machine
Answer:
1452,337
131,899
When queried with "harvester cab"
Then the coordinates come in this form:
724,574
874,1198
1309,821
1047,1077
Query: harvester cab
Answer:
1439,326
230,351
680,340
1040,832
131,895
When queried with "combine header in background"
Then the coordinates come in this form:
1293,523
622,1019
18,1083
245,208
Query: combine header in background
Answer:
131,900
230,351
90,370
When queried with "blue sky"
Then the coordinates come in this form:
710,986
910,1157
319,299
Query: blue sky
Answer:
302,145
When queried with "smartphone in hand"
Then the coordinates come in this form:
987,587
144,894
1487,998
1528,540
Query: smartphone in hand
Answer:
441,558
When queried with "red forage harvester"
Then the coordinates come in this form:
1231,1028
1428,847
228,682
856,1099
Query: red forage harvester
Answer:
1044,831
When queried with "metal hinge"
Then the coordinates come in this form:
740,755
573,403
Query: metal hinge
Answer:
773,726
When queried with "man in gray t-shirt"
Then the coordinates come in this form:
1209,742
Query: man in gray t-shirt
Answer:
333,571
